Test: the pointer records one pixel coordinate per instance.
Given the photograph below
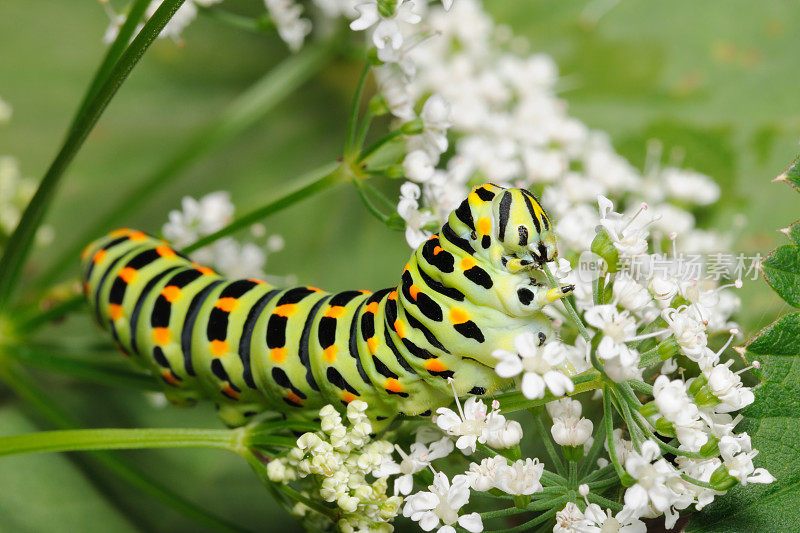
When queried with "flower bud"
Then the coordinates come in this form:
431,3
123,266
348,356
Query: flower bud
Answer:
413,127
604,247
710,448
665,427
378,106
668,348
572,453
722,480
649,409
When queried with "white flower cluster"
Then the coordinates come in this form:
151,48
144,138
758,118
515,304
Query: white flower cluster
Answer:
173,29
474,423
15,191
569,427
519,478
212,212
343,460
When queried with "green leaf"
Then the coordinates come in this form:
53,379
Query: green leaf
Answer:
782,271
773,423
791,174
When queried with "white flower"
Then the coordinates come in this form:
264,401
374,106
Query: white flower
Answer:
416,220
651,473
419,459
286,14
727,387
419,166
674,404
689,331
568,431
596,520
628,237
689,186
564,407
482,476
387,35
473,424
198,218
737,455
629,293
442,504
522,477
540,366
568,519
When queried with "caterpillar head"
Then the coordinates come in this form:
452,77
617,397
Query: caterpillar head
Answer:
522,228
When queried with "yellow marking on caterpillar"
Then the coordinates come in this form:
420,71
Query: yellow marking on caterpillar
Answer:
137,236
98,257
128,274
348,397
204,270
391,384
286,310
171,293
278,355
219,348
413,290
435,365
257,281
334,311
330,353
315,289
166,252
227,304
115,311
400,328
458,315
372,344
169,377
468,262
484,226
85,252
161,336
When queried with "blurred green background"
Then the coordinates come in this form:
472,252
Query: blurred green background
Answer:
716,79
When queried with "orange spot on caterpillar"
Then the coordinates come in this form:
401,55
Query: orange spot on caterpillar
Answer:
458,315
258,281
294,398
161,336
85,252
128,274
334,311
372,308
227,304
98,257
348,397
413,290
121,232
170,378
315,289
171,293
435,365
219,348
372,344
364,291
165,251
115,311
87,288
436,250
278,355
205,270
468,262
400,328
484,226
286,310
330,353
228,391
137,236
392,295
392,385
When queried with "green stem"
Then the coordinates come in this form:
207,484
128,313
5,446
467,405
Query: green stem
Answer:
594,452
699,483
516,401
530,524
84,369
641,386
568,306
544,437
352,124
573,473
21,240
604,502
377,145
76,440
599,473
602,484
608,418
262,24
322,178
26,390
240,115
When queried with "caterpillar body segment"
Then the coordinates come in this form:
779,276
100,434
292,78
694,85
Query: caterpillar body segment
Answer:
251,347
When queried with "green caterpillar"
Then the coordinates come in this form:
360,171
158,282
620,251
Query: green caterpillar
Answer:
251,347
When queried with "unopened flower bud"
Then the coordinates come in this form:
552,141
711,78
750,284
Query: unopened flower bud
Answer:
602,246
